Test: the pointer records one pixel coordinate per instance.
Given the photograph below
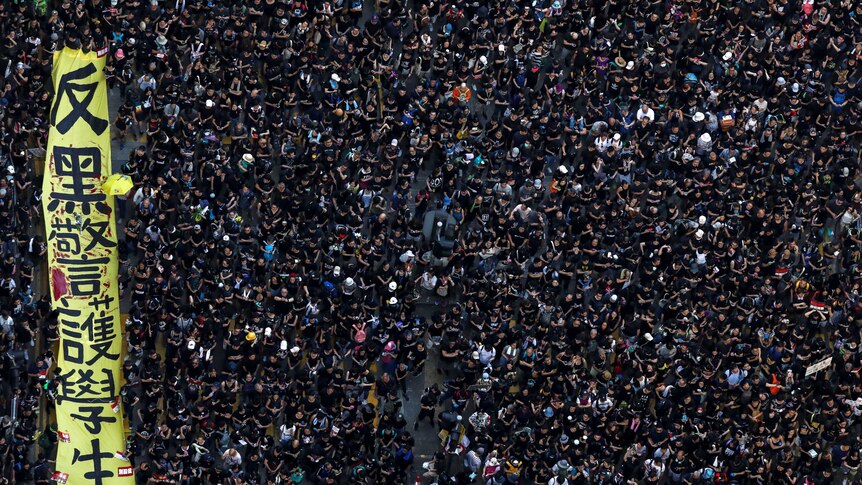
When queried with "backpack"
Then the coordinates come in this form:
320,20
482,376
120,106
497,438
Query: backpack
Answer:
360,335
405,455
331,289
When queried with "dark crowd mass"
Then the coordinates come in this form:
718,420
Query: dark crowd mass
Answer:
492,242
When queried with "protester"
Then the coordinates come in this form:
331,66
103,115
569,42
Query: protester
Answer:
607,240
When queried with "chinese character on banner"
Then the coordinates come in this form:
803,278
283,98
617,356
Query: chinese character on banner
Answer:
66,232
92,418
75,165
85,274
97,474
82,386
100,333
67,93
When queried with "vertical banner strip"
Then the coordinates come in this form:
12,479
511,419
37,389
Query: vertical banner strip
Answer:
82,265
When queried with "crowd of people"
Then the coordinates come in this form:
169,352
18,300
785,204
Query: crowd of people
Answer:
654,214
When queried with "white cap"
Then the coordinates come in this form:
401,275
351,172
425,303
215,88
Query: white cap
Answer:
706,138
648,337
349,281
336,78
501,48
483,59
283,345
294,350
727,55
698,234
617,136
209,103
336,270
701,220
394,142
563,169
393,286
698,117
630,65
393,301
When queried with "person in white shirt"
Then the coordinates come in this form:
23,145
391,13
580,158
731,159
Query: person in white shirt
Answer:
487,354
7,325
646,112
603,142
146,82
617,142
231,458
428,281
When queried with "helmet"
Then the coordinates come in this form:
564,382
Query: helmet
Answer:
390,346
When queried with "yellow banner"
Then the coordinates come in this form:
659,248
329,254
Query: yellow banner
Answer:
82,265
